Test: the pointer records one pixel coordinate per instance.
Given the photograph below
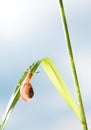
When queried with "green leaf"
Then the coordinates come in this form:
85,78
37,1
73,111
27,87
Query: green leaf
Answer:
13,100
60,85
55,78
16,94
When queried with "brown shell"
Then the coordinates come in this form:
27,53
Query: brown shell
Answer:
26,92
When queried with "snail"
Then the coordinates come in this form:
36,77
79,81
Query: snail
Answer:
26,91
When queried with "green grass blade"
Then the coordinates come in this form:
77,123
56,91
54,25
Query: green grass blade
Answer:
56,79
16,94
60,85
13,100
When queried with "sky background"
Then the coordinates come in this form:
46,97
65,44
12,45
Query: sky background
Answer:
31,30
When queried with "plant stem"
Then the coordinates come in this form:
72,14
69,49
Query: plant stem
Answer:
70,54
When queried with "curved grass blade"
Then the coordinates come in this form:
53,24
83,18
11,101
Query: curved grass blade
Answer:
56,79
60,85
16,94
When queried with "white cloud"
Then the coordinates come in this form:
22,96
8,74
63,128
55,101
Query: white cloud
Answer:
18,18
15,16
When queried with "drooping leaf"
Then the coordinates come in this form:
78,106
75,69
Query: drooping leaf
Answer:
60,85
55,78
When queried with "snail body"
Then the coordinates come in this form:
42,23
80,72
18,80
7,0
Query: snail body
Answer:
26,91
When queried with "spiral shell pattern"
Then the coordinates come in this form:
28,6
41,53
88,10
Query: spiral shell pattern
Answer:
26,91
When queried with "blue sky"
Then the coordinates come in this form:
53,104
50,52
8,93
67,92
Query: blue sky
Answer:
31,30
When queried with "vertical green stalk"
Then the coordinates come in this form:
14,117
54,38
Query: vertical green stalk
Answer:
70,54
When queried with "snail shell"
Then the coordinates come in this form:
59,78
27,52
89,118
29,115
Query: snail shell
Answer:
26,92
28,77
